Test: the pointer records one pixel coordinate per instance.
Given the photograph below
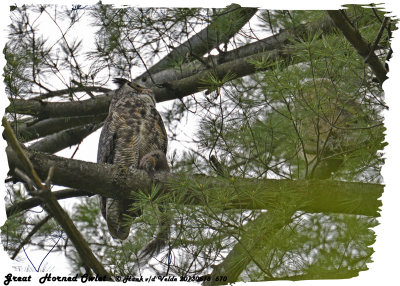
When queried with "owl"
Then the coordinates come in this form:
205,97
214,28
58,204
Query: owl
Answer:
133,136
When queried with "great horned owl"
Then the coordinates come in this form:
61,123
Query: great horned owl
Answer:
132,129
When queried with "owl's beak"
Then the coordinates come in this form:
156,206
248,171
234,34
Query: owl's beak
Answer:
136,87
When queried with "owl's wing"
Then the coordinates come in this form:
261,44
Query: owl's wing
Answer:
161,138
106,149
105,154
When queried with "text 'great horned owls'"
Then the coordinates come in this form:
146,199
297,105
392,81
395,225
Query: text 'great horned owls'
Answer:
133,131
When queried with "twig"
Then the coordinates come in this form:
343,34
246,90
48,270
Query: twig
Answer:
29,236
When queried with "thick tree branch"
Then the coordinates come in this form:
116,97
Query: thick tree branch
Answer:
27,132
270,43
64,139
359,43
309,196
43,109
213,35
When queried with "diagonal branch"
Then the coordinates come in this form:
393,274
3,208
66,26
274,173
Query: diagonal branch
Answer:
254,237
213,35
359,43
53,207
29,236
270,43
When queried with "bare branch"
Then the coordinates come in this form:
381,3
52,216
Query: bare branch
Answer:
208,38
71,90
65,138
28,132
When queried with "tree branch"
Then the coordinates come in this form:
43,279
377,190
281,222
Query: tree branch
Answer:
309,195
254,237
34,202
49,126
270,43
29,236
71,90
213,35
64,139
359,43
43,109
53,207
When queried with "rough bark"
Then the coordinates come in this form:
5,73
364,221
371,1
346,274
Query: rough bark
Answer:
308,195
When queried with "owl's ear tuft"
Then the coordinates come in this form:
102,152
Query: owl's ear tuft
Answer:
120,81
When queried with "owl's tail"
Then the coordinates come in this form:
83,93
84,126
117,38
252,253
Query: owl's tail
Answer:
118,220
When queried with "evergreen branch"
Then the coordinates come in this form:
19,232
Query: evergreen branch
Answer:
308,195
29,236
359,43
255,236
326,274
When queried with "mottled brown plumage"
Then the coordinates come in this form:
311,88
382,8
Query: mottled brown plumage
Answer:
132,129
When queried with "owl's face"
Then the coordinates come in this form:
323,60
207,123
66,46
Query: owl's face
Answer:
143,93
136,90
